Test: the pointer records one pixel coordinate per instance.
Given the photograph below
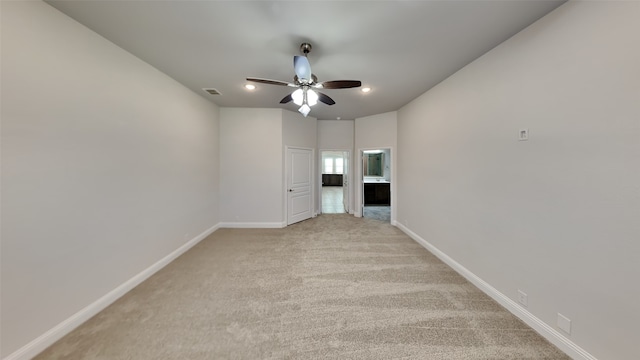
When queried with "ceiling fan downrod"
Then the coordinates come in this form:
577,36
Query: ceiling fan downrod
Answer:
305,48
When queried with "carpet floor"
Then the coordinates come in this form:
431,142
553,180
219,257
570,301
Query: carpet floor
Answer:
332,287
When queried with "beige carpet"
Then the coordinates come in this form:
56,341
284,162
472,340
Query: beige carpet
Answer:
334,287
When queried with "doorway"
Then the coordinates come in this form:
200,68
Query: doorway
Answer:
334,197
376,184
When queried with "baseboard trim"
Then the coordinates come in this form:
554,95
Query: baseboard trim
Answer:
548,332
45,340
253,225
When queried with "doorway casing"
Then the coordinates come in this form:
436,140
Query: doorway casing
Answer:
359,181
347,179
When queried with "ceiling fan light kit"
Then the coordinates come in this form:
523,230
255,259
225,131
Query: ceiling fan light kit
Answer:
305,81
304,110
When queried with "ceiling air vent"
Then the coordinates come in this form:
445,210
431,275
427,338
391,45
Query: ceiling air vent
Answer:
212,91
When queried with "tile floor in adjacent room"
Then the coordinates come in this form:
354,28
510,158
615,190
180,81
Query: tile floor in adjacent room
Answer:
332,200
382,213
332,204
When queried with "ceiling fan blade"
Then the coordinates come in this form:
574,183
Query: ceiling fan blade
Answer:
270,82
302,68
325,98
341,84
286,99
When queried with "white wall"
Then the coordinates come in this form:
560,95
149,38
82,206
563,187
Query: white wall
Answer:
557,215
336,134
339,135
251,167
252,152
108,166
376,132
298,130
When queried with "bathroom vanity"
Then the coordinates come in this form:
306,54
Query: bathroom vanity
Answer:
377,192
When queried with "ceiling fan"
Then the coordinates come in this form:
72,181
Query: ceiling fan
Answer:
306,95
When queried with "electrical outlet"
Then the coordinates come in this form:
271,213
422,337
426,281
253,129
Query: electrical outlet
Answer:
523,298
564,323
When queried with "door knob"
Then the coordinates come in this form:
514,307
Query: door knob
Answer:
290,190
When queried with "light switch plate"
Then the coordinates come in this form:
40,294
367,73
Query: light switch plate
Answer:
523,135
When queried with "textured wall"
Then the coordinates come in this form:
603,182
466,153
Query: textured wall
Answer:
376,132
251,168
107,166
555,216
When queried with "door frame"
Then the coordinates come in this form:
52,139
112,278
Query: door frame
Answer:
349,178
359,177
286,176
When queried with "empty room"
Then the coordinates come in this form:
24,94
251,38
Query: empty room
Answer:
163,163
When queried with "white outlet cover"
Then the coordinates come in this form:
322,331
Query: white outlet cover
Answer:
564,323
523,298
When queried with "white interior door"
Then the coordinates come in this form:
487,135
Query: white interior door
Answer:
345,181
299,195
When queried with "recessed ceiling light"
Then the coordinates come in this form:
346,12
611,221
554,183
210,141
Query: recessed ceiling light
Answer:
250,87
366,89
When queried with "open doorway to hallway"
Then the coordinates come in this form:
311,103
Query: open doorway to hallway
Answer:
335,184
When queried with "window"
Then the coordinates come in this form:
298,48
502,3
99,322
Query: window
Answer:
328,166
338,166
333,165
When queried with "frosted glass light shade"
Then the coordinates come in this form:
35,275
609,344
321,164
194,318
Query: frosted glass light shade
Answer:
304,110
312,97
298,97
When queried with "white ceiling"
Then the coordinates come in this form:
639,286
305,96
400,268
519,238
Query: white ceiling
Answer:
398,48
